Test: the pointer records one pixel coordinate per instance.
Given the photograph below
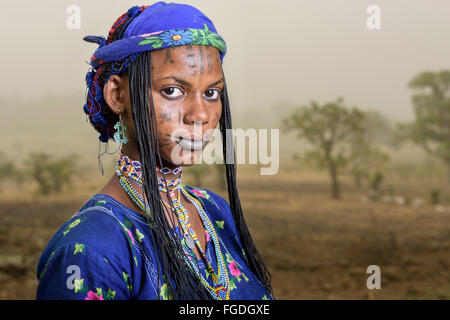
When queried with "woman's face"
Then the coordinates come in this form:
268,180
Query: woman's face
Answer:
186,85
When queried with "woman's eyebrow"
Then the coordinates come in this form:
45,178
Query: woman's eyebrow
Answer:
180,81
186,83
217,82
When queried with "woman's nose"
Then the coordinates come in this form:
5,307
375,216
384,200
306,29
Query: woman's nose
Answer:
196,112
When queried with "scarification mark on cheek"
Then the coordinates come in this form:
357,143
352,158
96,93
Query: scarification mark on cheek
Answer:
164,117
216,117
164,142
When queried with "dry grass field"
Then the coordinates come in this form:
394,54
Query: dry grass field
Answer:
315,247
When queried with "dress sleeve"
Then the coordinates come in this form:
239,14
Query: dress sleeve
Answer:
81,271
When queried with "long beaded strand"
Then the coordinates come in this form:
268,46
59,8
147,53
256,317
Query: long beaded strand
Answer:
222,275
128,169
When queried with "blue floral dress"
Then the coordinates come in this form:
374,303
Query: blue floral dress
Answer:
105,252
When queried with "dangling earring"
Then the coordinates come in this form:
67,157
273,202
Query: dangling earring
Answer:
121,130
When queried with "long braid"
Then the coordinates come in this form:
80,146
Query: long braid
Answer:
254,259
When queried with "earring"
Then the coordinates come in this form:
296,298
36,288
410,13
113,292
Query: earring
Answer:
121,130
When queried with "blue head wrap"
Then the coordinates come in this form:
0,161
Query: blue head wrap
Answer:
159,26
153,27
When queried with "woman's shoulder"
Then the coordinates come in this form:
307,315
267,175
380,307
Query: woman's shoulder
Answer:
99,225
95,221
100,240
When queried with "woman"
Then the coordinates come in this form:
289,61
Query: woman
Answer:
154,82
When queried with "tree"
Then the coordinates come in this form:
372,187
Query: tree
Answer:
38,166
7,168
379,129
51,175
431,128
366,159
329,128
62,171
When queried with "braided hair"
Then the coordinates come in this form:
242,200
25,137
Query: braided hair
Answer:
101,117
181,282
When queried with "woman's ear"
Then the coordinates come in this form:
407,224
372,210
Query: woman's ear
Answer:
116,93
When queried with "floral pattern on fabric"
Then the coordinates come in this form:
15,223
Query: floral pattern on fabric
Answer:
100,295
164,292
72,225
235,272
177,37
105,252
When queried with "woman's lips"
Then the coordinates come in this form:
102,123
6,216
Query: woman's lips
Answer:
191,144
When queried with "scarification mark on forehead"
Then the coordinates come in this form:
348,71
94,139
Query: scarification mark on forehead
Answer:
201,59
209,58
168,56
191,60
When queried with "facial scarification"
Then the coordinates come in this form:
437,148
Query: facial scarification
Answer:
164,116
194,72
201,59
191,61
216,116
168,56
210,65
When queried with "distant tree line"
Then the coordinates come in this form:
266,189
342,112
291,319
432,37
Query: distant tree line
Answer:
50,174
343,137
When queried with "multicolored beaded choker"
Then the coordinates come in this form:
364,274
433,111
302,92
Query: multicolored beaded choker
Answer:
130,171
133,170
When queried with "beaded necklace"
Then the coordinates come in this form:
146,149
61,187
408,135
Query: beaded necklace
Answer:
128,171
132,169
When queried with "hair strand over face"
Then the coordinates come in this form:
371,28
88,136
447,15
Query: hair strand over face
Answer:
167,243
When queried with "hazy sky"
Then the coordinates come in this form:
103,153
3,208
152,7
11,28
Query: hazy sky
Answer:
289,50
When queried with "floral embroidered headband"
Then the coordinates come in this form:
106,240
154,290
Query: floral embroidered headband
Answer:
159,26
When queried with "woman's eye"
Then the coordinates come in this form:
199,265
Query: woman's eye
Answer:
212,94
172,92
